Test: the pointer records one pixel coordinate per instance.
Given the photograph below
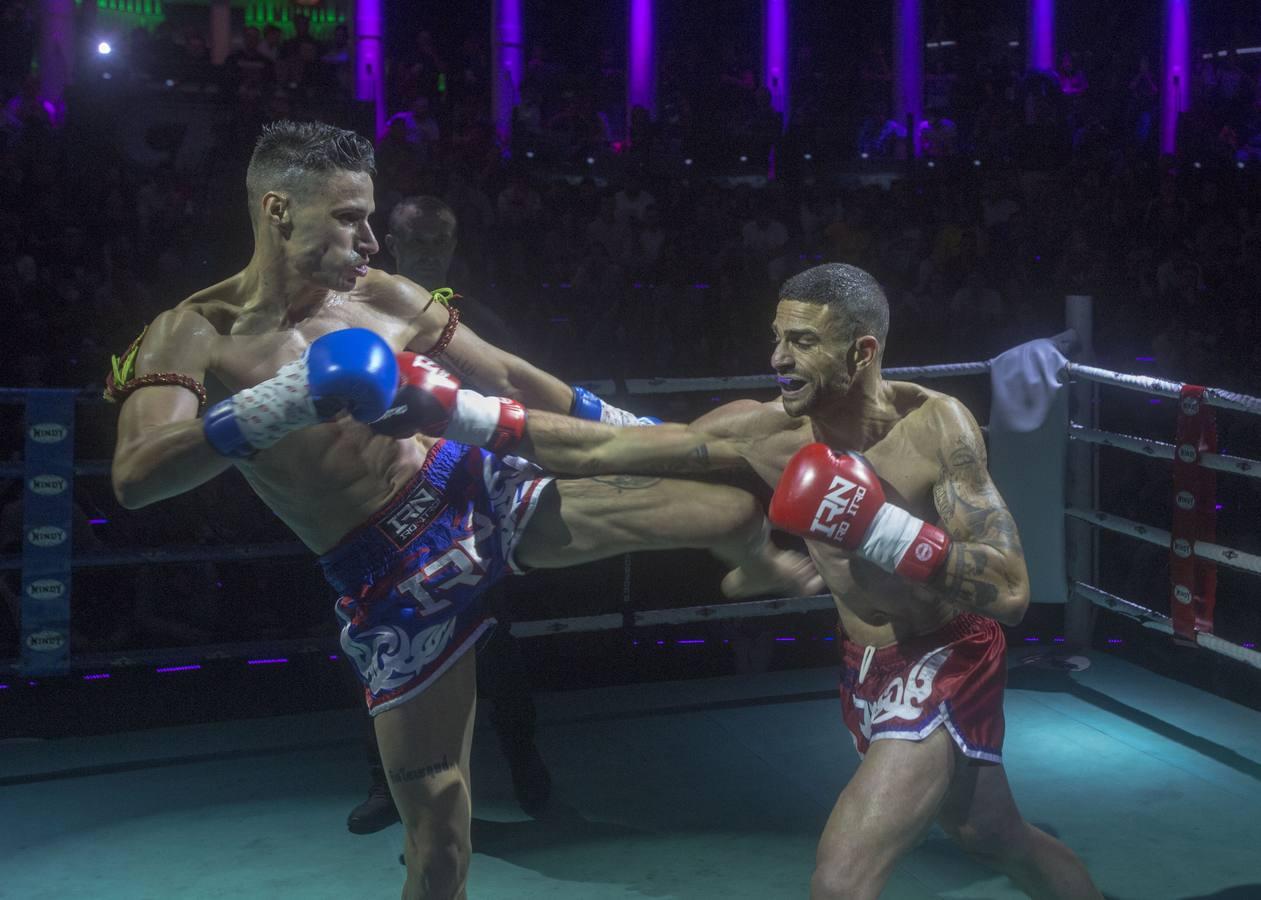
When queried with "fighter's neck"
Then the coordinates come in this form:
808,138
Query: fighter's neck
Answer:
270,291
860,419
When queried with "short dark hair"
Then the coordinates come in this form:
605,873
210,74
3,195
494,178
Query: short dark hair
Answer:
422,205
286,152
854,295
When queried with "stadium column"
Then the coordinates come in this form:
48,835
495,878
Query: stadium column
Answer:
507,42
908,67
220,30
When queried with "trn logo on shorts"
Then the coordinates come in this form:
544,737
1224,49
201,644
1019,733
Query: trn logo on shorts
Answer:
420,507
840,502
46,536
47,485
48,432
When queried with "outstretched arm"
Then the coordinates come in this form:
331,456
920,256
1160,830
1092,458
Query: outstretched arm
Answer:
984,569
574,447
430,400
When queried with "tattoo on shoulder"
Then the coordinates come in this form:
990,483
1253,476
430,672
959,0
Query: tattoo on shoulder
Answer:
967,501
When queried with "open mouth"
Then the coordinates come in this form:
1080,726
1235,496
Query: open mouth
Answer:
790,385
360,271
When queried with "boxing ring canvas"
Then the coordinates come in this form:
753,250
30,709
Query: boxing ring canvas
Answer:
703,789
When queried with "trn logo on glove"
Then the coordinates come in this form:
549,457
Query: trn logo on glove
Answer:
841,502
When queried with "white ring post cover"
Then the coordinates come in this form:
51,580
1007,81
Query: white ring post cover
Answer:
1028,450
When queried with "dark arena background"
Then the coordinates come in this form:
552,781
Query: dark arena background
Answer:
1062,204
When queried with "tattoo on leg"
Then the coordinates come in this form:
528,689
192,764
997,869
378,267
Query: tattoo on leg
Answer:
403,775
627,482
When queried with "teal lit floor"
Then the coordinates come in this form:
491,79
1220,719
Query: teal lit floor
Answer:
701,789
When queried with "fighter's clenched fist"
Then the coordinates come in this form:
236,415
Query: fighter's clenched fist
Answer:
831,496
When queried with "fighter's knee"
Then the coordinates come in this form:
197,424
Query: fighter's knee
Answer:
843,873
437,862
839,882
991,840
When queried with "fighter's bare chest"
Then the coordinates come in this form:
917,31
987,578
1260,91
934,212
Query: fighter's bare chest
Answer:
253,350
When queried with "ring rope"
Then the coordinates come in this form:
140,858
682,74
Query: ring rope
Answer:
1160,622
1159,450
716,612
761,382
194,553
1235,559
1149,385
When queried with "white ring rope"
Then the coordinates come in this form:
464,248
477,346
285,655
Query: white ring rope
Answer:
1160,622
718,612
1149,385
1235,559
1220,462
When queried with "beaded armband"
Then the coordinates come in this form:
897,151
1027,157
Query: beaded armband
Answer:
444,297
122,382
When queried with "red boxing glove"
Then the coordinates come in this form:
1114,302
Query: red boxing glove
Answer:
836,497
430,401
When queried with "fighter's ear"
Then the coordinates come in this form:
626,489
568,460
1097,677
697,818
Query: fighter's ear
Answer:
864,352
276,212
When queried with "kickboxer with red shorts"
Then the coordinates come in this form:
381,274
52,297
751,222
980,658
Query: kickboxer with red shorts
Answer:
887,482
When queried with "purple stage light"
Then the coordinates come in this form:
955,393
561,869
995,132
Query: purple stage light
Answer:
1175,91
642,73
692,641
786,639
1041,35
369,58
265,662
908,64
96,677
191,668
507,40
775,57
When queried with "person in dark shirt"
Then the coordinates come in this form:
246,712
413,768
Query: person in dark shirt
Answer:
422,240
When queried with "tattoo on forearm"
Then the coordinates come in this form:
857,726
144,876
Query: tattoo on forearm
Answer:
403,775
963,578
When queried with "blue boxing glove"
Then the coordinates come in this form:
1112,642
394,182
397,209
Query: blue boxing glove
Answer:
352,370
588,406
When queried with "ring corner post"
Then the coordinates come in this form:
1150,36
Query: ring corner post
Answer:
1082,488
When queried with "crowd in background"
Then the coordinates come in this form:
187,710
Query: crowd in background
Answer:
621,244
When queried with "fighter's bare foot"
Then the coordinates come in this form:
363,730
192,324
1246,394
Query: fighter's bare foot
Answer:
777,573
